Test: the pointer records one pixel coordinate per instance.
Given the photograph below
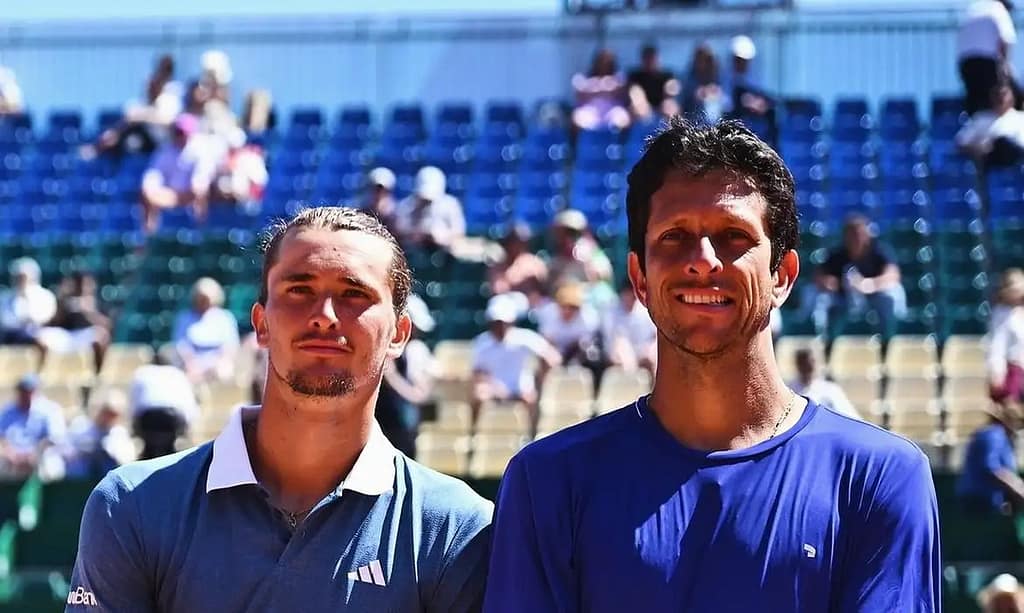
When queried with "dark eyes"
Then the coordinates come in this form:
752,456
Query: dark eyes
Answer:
305,290
730,235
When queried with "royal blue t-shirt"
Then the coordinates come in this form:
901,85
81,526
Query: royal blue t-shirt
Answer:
615,515
990,450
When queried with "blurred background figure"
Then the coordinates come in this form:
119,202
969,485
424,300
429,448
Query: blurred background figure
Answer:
994,135
205,336
811,382
571,326
703,96
1004,351
989,483
100,441
11,99
519,270
629,336
601,95
983,43
1003,595
163,406
578,257
652,88
429,218
25,307
180,173
408,385
747,98
32,431
78,324
380,195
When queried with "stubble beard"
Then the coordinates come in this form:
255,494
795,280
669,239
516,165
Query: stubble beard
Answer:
325,386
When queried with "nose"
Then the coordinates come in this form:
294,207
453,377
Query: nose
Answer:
703,259
324,315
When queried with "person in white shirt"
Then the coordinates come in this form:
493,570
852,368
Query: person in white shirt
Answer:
163,406
205,336
812,384
502,356
629,336
11,99
429,217
26,307
1004,348
181,172
569,323
984,40
996,134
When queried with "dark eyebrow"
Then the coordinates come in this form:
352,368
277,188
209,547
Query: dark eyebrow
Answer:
298,277
356,283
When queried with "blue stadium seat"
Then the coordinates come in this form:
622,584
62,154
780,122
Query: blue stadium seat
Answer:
501,133
899,205
492,185
107,118
898,121
537,211
451,159
1006,203
541,184
504,112
540,156
547,135
497,157
954,207
455,112
401,159
851,120
307,116
484,216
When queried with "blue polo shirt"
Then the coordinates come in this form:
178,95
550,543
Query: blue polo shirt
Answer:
616,515
194,532
990,450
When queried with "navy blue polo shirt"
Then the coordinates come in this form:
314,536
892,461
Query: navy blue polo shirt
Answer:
194,531
616,515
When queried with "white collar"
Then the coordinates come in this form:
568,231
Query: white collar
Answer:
372,474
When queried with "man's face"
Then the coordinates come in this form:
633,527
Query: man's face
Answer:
739,65
650,61
324,286
20,280
499,328
708,283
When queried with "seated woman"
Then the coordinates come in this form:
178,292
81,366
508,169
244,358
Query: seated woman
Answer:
206,336
520,271
601,95
78,325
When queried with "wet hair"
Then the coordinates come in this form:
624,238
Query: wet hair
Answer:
696,149
337,219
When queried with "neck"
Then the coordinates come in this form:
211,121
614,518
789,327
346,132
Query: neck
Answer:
731,401
304,447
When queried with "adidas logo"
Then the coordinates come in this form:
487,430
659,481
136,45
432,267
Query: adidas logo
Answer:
371,573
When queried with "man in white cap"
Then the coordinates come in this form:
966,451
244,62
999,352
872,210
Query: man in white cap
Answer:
26,306
501,360
429,217
380,199
748,98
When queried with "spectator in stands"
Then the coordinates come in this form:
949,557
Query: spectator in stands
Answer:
25,307
205,336
380,196
990,482
163,406
217,75
652,88
145,123
31,431
811,382
520,270
501,361
242,174
995,135
258,113
601,95
11,99
430,218
983,50
101,443
629,336
1008,296
1003,595
408,383
78,324
180,173
571,326
746,97
703,95
860,274
1004,351
578,257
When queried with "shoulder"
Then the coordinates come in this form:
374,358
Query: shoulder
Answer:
580,441
444,498
863,446
155,479
482,341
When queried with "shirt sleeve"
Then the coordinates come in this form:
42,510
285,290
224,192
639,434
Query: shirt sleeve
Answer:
531,567
894,560
109,575
461,586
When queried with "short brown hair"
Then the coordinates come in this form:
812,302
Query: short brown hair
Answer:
336,219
